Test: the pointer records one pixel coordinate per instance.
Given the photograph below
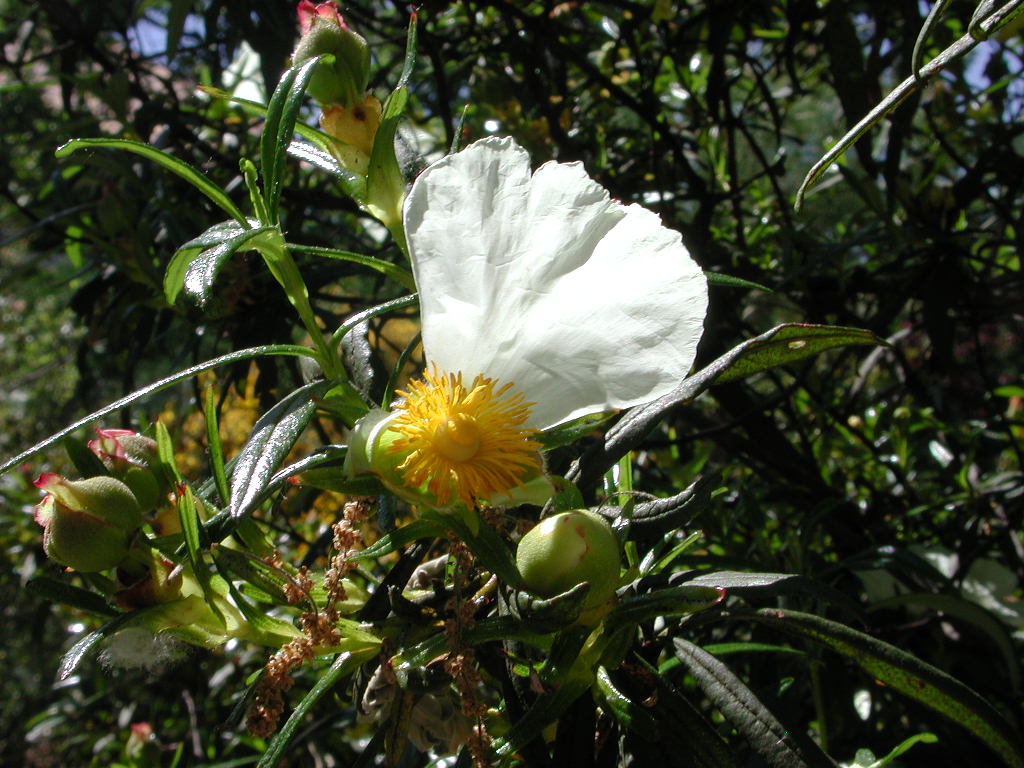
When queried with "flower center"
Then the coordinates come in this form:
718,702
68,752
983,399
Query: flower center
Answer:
457,437
464,442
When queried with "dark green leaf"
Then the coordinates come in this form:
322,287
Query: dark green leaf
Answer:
390,542
202,268
69,663
272,438
908,675
782,344
490,549
216,451
277,131
344,665
57,591
173,164
401,276
717,278
771,584
747,713
670,601
787,344
629,714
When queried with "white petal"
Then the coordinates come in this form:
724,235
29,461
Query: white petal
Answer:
584,303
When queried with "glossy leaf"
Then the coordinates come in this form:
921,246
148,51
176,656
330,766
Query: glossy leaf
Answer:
272,438
195,270
80,650
157,386
282,113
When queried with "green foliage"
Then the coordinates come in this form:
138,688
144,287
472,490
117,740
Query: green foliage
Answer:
842,472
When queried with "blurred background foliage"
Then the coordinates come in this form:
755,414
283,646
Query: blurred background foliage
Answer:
890,474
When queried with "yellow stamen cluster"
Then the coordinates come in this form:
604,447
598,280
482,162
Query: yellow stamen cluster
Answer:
467,441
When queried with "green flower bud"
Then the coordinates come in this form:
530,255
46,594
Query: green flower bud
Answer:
87,524
342,81
128,456
568,549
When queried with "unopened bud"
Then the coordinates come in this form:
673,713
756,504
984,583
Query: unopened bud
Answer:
342,81
87,524
128,456
568,549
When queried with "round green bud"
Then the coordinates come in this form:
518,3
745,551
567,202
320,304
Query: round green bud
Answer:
87,524
568,549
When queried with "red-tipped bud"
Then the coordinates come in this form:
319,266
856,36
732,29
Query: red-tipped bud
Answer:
128,456
324,32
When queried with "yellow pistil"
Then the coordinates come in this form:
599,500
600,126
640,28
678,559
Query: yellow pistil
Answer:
469,441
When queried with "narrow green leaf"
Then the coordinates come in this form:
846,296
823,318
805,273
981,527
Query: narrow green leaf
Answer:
57,591
174,275
203,267
353,184
909,675
366,314
390,542
277,131
630,715
192,531
903,746
670,601
717,278
70,661
547,708
172,164
214,447
959,608
253,570
157,386
165,454
401,276
751,718
790,343
399,368
782,344
748,585
489,630
344,665
683,727
489,548
979,31
272,438
566,434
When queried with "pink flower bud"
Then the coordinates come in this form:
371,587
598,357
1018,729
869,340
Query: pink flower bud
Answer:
324,32
127,455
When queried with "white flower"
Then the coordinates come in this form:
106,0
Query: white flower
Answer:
584,303
542,300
